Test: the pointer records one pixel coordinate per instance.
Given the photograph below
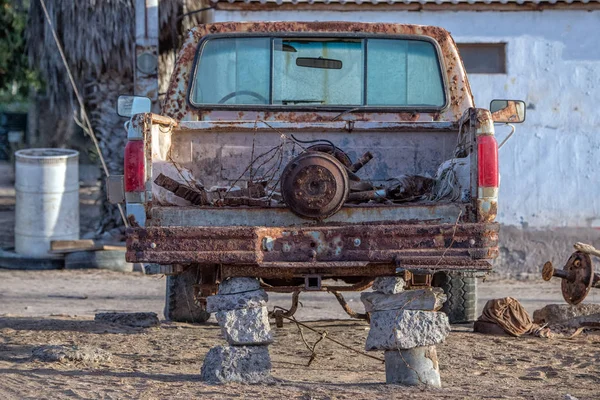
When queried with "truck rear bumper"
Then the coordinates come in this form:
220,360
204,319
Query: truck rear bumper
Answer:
371,249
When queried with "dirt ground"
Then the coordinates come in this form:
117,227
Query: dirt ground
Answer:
57,308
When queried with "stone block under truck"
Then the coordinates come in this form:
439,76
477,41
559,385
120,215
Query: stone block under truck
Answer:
314,156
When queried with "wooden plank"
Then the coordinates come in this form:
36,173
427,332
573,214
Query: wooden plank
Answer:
59,246
70,246
114,247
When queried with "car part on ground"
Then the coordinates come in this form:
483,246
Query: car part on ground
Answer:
577,276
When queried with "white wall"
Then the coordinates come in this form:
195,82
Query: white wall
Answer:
551,167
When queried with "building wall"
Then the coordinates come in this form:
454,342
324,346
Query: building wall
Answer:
550,168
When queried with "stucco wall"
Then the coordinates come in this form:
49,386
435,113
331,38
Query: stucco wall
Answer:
550,169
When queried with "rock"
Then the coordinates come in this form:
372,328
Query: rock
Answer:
224,302
559,314
413,367
421,299
71,353
238,285
247,364
391,330
388,284
137,320
249,326
570,397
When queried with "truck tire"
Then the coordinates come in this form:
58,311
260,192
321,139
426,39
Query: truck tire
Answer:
461,290
180,304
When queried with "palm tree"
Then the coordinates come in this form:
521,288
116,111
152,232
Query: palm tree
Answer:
98,40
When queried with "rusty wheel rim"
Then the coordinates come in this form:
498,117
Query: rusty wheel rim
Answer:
581,273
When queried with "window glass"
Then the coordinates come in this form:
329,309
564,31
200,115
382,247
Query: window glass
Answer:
317,71
403,73
483,58
233,71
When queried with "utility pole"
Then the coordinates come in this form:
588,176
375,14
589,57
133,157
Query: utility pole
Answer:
146,50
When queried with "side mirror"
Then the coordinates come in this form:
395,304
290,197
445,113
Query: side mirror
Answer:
128,106
509,111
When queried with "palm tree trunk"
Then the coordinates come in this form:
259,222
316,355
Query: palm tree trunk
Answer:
101,96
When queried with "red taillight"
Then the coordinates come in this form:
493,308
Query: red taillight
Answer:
487,161
134,166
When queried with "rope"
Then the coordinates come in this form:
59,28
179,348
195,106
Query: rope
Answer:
89,130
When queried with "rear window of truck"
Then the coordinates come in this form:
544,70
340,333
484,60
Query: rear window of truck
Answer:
318,72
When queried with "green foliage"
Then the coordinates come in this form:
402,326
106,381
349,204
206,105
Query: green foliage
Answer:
15,75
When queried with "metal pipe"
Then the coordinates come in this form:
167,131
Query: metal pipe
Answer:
347,308
368,156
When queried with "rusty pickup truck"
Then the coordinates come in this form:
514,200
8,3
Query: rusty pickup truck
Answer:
314,156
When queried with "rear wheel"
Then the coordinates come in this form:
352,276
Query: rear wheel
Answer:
461,290
180,299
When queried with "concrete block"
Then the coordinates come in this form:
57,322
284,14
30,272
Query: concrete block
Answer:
249,326
413,367
238,285
422,299
388,284
224,302
406,329
246,364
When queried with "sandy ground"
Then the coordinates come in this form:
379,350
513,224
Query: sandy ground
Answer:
57,307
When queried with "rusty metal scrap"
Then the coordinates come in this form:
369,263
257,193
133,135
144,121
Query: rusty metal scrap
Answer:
367,195
353,314
365,158
250,196
242,201
194,196
577,277
401,189
314,185
343,247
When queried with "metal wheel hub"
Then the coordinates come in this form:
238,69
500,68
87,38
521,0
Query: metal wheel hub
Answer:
580,272
314,185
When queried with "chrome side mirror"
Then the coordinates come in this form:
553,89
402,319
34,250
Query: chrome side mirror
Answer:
509,111
128,106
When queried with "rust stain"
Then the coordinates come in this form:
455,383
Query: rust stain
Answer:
487,210
460,98
343,247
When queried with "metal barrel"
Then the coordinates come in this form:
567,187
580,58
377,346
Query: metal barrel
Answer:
47,199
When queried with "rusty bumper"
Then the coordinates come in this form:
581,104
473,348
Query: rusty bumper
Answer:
344,250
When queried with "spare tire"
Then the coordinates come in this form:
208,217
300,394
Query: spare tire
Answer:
113,260
180,302
461,291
